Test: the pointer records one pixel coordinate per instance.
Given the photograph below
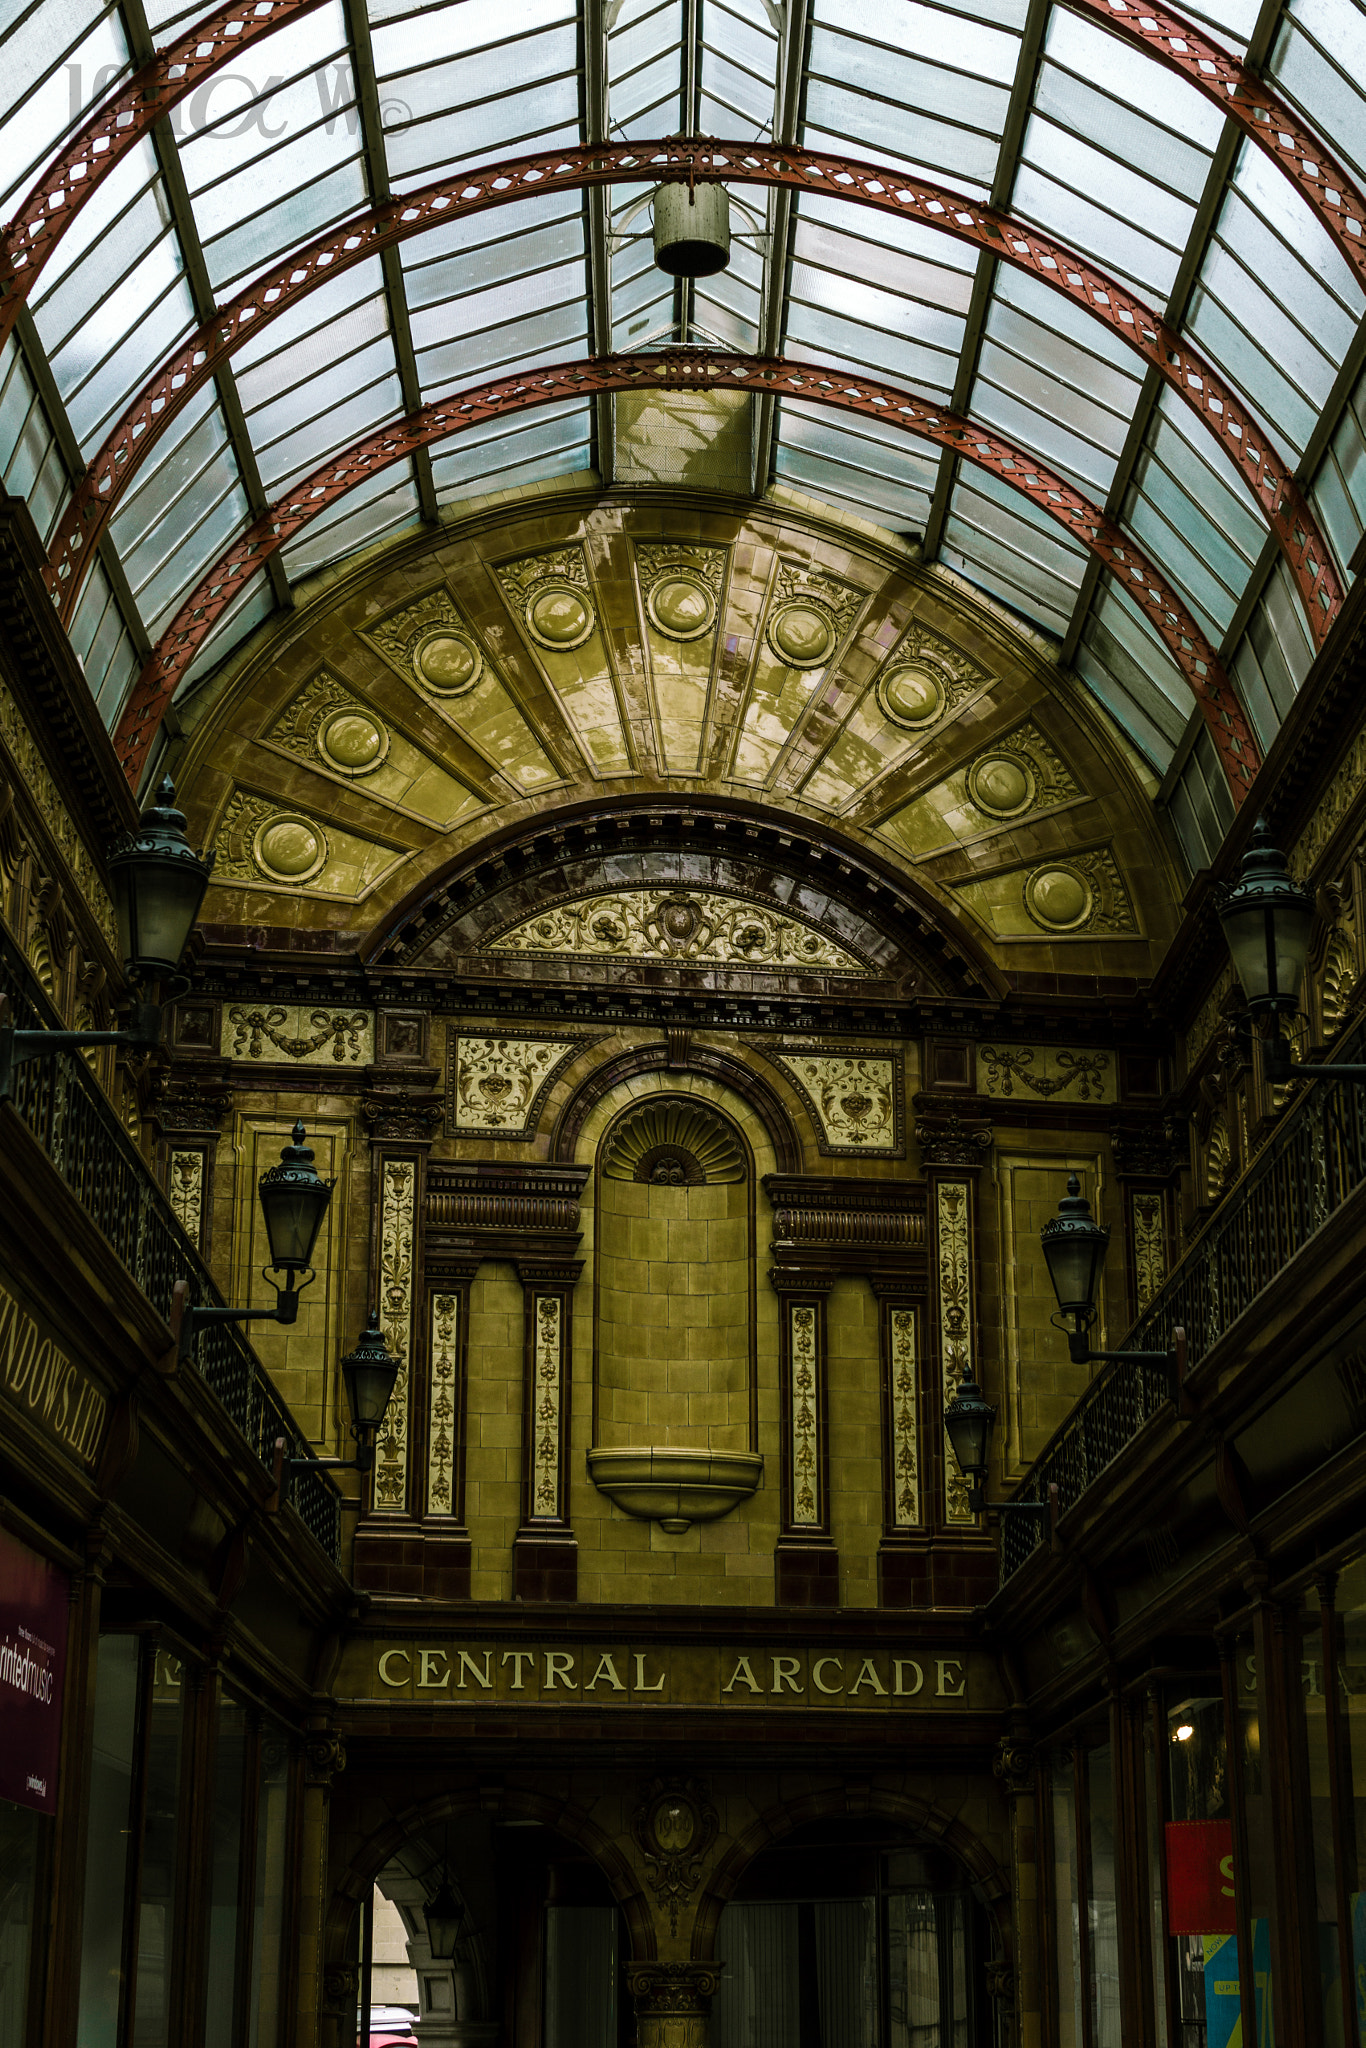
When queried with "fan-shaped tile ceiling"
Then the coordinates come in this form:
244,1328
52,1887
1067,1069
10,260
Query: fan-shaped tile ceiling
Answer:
1207,169
565,651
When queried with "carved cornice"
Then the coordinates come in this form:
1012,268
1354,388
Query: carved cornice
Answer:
813,1209
190,1104
1147,1151
395,1113
479,1199
947,1139
828,1228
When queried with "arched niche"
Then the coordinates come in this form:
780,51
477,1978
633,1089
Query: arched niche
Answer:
682,1339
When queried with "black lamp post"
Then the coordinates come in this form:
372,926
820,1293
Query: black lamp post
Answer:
368,1373
159,882
1267,919
969,1420
1074,1248
293,1201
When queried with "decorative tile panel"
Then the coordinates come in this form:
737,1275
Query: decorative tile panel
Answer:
550,597
924,680
185,1188
953,1254
547,1401
1081,895
340,735
803,1420
1017,775
905,1407
655,924
267,845
855,1099
302,1033
429,643
1150,1246
398,1180
1333,806
441,1403
1021,1071
499,1084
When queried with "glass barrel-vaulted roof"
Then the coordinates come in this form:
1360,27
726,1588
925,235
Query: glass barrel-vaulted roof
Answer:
1038,109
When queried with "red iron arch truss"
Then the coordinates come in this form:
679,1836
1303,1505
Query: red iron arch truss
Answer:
1186,372
81,166
78,170
692,370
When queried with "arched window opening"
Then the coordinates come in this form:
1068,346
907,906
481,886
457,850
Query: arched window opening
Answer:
847,1934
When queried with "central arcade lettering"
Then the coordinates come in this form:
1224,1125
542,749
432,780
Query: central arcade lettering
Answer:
713,1676
35,1373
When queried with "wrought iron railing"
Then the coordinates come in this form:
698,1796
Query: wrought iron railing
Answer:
1309,1167
74,1122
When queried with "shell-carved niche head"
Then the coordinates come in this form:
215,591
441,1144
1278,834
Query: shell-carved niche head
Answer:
668,1142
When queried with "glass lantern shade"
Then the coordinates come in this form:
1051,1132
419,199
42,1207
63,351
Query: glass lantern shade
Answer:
1074,1248
158,884
444,1918
1267,920
369,1372
969,1419
294,1202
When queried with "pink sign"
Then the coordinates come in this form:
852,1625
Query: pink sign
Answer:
34,1598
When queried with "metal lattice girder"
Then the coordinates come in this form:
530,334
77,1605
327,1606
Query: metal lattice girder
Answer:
1321,181
693,369
1214,402
71,178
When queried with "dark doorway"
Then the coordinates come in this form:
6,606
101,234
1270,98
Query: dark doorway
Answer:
847,1936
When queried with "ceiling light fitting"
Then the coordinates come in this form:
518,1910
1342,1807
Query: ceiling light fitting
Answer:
692,229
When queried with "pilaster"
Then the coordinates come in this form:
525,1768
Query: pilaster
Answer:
806,1560
545,1558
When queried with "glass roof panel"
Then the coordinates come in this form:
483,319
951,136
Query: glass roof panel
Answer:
645,70
1276,306
376,508
1318,62
1126,666
739,69
1203,532
58,60
880,474
552,441
996,538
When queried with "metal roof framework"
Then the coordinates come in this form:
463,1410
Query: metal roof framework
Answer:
1207,173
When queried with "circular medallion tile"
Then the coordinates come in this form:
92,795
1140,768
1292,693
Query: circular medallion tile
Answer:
801,634
1002,785
1059,898
290,849
681,605
558,616
911,695
353,743
447,663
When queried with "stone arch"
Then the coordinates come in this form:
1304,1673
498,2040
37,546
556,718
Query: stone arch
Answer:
932,1823
705,1060
497,1803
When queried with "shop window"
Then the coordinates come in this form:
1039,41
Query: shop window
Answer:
145,1892
1066,1899
895,1965
1198,1853
1334,1687
24,1837
1101,1904
581,1970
